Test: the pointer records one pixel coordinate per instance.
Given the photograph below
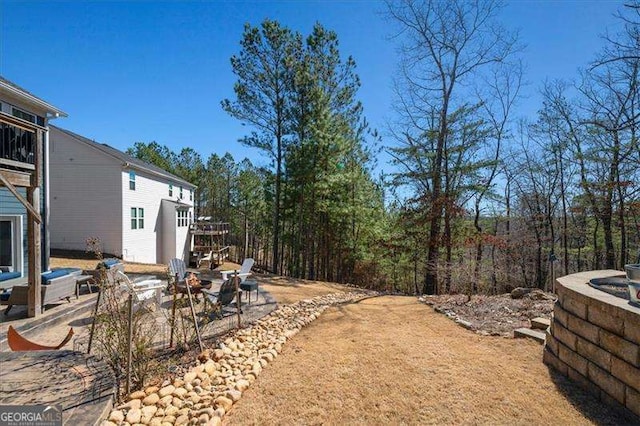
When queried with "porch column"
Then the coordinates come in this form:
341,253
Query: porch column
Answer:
34,240
35,255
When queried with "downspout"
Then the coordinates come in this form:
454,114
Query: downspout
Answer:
46,243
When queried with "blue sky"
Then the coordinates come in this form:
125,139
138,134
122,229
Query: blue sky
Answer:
145,71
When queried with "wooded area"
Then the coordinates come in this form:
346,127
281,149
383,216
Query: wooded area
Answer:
478,200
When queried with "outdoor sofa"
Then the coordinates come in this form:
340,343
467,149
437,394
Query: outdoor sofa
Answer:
108,266
56,286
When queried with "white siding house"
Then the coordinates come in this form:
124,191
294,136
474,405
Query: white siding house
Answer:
133,207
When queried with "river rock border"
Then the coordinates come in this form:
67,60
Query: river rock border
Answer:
209,389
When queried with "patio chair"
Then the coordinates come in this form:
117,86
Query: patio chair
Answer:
18,343
178,269
243,273
142,290
179,273
229,290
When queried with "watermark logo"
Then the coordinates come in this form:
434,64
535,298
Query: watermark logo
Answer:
31,415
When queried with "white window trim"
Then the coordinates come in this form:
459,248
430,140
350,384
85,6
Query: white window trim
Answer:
18,247
132,179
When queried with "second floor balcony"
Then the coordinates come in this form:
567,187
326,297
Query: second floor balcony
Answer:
18,143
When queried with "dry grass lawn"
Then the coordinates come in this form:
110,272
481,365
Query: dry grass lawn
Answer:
391,360
288,290
136,268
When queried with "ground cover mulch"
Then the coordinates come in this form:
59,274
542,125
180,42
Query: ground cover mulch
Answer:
493,315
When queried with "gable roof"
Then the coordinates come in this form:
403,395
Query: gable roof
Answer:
126,159
29,97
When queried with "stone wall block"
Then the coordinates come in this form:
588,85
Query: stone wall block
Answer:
552,360
571,358
583,382
619,347
594,353
626,372
631,326
632,400
605,316
565,336
583,328
551,343
559,314
575,305
614,387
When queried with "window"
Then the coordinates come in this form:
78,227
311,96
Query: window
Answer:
39,120
24,115
11,243
183,218
132,180
191,195
170,190
181,193
137,218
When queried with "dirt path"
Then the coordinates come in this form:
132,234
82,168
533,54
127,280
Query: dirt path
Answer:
391,360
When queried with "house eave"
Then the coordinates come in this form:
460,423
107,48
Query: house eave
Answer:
32,100
126,165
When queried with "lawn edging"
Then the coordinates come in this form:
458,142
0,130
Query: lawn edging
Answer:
209,389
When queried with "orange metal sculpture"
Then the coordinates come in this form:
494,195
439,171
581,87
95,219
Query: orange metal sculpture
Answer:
19,343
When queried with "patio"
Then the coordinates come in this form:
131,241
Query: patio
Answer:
78,313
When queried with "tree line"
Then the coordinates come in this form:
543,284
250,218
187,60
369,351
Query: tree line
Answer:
478,200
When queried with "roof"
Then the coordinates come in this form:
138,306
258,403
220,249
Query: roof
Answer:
126,159
29,97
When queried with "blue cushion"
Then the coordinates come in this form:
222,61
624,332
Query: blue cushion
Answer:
4,296
110,262
48,276
67,270
4,276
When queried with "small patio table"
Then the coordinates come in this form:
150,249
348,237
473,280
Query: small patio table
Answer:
83,279
249,286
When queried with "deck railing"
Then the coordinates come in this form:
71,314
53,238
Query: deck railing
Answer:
209,227
17,146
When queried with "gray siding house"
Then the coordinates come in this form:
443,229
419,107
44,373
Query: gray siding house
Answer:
24,188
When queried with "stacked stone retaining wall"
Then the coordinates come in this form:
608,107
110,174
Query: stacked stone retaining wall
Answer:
594,339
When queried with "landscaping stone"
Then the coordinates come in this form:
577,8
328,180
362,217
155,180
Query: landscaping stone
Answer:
167,390
180,392
134,403
207,391
151,389
519,293
137,395
134,415
149,411
165,401
233,395
242,385
151,399
116,416
182,420
171,410
224,402
215,421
